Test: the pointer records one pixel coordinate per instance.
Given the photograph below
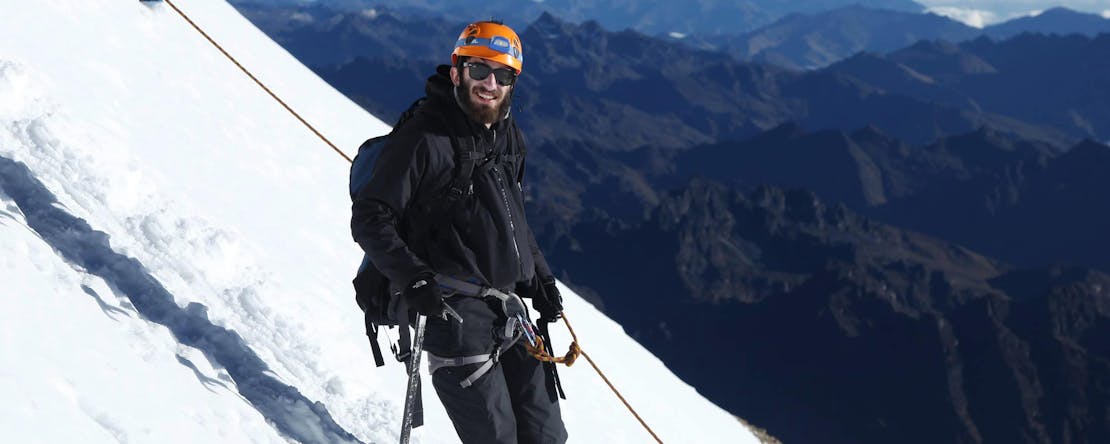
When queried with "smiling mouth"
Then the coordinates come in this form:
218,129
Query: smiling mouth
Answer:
485,97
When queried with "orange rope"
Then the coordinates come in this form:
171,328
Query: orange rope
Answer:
572,355
539,352
248,73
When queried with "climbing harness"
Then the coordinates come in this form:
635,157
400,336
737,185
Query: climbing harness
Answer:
516,327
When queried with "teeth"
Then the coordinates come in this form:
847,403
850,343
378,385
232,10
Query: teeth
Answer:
485,96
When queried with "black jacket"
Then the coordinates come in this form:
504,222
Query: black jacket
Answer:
400,217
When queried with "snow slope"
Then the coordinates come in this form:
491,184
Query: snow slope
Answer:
80,365
176,256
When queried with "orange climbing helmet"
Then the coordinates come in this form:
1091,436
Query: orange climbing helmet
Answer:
489,40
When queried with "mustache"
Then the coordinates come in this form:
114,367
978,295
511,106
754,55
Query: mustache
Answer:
477,89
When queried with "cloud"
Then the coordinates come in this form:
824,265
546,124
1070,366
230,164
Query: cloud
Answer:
970,11
972,17
301,17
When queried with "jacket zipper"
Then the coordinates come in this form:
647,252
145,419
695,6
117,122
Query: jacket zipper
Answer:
509,211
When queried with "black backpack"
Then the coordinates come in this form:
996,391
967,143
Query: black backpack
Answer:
373,292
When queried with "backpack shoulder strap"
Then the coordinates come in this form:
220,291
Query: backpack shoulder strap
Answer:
466,159
362,165
372,332
462,184
408,113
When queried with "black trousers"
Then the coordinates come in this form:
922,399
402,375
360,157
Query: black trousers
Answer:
512,403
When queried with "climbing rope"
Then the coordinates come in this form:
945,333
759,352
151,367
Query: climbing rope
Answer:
248,73
537,352
572,355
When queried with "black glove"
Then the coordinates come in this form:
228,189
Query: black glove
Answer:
423,296
528,289
548,302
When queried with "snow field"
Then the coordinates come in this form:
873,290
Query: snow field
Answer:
92,370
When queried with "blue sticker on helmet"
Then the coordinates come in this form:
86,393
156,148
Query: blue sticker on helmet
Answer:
498,43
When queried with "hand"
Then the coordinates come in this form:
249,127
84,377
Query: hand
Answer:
423,296
548,302
530,288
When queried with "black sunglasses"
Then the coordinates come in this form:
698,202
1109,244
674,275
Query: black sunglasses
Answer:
479,72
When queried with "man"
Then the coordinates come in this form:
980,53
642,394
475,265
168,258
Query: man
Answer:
437,242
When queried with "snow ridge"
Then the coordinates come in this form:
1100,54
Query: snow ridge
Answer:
293,414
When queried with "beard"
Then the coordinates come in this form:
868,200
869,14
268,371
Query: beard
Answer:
484,113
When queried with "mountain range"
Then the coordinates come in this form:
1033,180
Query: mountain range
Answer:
873,333
814,40
1054,80
705,17
808,41
823,326
612,90
1028,203
731,99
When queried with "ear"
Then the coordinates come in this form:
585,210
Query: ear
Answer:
455,75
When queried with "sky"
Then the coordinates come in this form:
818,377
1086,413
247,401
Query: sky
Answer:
980,13
176,252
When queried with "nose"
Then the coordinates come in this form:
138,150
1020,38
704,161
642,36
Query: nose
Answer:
490,82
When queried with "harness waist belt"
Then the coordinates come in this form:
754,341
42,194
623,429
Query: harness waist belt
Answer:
471,289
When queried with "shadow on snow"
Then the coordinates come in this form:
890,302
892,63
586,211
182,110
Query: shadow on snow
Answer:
293,414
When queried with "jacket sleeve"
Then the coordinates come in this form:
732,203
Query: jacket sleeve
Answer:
543,270
378,207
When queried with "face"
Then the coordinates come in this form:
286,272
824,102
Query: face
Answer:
484,100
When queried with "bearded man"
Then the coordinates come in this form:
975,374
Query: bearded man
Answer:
448,248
